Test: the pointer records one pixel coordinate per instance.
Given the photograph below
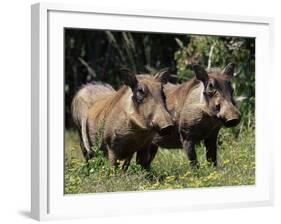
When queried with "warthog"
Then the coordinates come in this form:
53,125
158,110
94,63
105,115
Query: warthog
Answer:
128,118
199,107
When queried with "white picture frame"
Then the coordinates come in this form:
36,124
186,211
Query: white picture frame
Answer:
48,201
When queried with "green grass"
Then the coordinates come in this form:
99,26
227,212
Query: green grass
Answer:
170,168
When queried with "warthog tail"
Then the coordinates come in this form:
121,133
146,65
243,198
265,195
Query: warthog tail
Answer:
81,103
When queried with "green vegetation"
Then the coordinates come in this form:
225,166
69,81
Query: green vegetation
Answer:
92,55
170,169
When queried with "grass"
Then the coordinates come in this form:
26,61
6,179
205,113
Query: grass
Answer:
170,168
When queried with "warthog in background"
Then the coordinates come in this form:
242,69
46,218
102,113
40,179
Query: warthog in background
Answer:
128,118
200,108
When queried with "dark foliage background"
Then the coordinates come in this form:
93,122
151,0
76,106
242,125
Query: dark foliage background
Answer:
97,55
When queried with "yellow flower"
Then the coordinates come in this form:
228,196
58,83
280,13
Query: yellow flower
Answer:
170,178
213,176
188,173
156,184
226,161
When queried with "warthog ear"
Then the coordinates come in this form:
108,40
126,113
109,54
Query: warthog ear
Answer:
129,78
228,71
200,73
163,75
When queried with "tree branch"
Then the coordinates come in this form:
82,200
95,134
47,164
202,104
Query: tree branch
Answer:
210,55
90,70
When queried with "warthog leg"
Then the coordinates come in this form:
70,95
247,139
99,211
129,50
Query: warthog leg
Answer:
189,148
211,148
146,155
112,158
114,162
126,162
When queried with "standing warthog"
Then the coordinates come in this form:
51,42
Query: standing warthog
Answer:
200,108
128,118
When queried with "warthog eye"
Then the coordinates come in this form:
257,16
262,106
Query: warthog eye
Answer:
140,94
140,89
210,90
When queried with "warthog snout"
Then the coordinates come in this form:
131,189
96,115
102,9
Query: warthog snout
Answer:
229,114
232,122
166,130
232,118
162,121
